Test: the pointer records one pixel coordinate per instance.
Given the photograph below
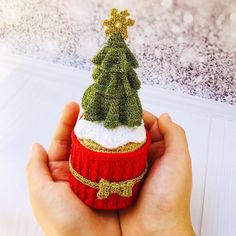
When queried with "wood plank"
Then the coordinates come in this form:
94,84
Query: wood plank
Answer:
219,211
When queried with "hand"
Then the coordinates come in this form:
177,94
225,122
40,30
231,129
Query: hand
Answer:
163,205
57,209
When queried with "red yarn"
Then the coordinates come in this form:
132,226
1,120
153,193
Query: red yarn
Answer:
113,167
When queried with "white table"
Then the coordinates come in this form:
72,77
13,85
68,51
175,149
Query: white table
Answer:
32,95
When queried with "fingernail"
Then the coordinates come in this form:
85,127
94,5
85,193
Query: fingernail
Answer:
167,116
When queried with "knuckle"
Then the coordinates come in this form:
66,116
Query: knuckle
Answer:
29,166
61,144
180,129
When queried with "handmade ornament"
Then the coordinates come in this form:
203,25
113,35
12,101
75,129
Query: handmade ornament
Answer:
110,144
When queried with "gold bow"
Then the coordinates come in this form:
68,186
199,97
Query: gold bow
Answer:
124,189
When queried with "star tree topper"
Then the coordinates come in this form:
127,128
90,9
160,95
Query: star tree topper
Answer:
118,22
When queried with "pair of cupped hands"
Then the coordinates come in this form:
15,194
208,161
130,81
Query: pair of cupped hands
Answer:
163,204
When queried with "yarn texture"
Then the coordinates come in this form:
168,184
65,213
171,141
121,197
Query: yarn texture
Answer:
128,147
109,138
115,167
113,96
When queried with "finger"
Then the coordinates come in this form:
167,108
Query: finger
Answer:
37,167
151,124
156,150
174,135
59,149
59,170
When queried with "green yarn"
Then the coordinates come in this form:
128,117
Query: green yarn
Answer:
113,96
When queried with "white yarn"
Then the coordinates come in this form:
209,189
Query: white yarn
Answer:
109,138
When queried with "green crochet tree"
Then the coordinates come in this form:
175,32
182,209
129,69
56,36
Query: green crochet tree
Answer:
113,97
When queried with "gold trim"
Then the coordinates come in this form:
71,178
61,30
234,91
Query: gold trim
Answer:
129,147
122,188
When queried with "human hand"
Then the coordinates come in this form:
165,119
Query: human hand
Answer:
161,209
57,209
163,205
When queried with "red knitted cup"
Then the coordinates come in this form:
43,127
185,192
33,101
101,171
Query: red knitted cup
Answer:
113,167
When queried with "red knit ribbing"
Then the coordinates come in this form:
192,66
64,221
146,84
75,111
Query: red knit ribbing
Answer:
113,167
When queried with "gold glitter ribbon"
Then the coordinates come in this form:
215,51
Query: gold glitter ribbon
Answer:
106,188
129,147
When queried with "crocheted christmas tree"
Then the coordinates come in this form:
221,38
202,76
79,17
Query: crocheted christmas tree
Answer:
110,144
113,97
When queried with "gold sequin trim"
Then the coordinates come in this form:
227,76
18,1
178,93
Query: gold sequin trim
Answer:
129,147
122,188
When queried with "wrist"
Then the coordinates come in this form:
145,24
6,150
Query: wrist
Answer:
183,230
162,227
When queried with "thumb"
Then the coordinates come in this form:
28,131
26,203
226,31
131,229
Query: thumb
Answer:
174,135
37,168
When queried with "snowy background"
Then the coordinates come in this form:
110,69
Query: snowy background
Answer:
185,46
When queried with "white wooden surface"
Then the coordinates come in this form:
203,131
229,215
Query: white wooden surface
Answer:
32,95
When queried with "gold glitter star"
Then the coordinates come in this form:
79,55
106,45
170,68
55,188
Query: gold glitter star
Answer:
118,23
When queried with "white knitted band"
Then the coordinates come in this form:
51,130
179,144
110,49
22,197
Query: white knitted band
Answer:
109,138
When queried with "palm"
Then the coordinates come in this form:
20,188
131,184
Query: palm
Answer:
55,205
73,208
